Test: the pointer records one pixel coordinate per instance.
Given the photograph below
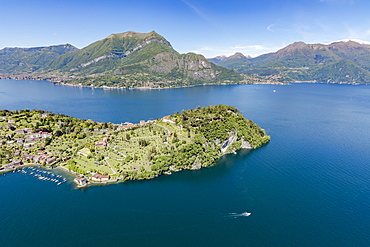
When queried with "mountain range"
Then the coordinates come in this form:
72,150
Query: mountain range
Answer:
338,62
132,60
127,60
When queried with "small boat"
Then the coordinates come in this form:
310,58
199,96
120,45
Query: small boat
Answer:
246,214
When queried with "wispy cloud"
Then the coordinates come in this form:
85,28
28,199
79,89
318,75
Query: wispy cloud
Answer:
274,26
270,27
195,9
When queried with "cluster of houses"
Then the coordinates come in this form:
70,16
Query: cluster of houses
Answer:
39,158
29,139
12,165
95,177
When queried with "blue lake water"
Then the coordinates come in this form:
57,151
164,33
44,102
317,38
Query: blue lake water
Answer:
310,186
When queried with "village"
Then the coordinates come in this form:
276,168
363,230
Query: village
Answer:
23,147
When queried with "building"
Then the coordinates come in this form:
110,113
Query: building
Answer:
17,163
99,177
19,131
19,141
80,181
35,135
166,119
28,130
50,160
28,145
36,158
46,135
17,152
102,143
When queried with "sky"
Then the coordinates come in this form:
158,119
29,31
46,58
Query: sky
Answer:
210,28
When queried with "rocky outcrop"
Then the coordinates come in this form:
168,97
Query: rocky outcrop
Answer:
246,144
190,65
233,137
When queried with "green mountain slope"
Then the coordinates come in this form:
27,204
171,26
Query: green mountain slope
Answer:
129,60
21,60
114,46
344,71
339,62
139,59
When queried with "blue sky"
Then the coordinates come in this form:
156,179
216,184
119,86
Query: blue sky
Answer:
207,27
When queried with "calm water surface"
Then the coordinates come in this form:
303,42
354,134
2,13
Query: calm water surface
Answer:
310,186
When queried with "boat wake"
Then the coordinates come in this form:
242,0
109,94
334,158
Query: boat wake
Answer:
236,215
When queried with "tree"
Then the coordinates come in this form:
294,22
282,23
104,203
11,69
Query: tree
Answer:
47,141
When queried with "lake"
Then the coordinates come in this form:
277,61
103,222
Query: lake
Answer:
310,186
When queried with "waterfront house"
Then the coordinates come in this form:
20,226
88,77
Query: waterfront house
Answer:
8,166
17,163
99,177
80,181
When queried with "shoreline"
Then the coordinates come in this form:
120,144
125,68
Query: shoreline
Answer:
91,182
59,83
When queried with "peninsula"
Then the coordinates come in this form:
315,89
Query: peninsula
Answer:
105,152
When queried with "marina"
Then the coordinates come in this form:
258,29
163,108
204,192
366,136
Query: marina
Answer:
41,174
